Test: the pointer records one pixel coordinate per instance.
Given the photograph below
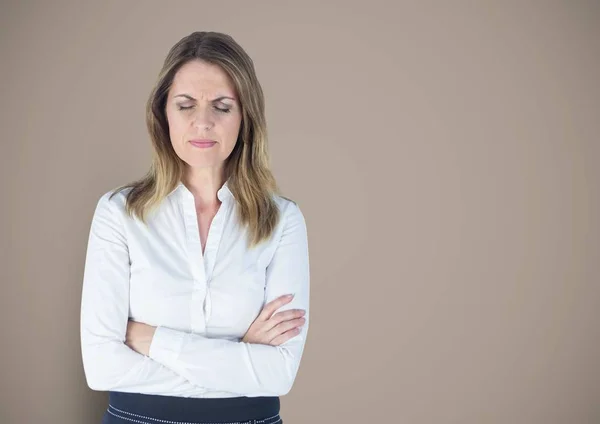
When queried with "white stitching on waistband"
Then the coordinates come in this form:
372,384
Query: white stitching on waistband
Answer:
127,418
263,421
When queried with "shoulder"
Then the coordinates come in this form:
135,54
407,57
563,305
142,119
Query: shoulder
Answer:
290,210
112,201
285,204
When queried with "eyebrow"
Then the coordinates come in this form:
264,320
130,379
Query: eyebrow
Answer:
187,96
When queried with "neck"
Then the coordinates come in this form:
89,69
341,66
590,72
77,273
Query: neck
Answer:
204,183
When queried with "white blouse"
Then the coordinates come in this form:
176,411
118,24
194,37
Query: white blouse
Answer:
201,304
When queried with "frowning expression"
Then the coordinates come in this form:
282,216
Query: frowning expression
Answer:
204,114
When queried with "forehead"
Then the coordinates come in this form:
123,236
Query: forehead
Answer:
202,79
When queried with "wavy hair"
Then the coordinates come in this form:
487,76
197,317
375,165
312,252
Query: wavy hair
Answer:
247,169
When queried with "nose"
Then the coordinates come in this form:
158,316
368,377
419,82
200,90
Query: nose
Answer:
202,118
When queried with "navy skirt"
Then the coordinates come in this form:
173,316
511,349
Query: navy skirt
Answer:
139,408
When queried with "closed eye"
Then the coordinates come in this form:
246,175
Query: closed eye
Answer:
217,108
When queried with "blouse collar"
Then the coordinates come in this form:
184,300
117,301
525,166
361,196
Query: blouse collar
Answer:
223,193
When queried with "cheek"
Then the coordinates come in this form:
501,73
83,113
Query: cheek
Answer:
176,128
232,135
233,128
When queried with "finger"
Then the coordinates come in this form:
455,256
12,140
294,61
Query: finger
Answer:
282,316
287,315
285,326
285,337
272,306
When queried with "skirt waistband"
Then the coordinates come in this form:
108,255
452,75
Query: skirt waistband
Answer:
158,409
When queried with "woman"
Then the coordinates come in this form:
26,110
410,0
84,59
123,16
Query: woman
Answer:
184,313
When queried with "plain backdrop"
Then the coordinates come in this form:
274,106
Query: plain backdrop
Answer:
445,155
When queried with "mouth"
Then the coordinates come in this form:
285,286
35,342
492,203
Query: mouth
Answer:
203,143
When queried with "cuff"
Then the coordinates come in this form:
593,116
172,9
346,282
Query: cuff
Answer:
166,345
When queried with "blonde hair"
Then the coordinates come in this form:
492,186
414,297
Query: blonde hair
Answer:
246,169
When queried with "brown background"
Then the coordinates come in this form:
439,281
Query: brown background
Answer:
445,155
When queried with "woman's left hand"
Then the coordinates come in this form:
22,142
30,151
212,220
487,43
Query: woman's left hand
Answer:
139,336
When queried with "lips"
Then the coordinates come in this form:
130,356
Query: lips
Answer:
203,142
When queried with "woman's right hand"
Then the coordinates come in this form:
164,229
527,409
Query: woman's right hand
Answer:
275,329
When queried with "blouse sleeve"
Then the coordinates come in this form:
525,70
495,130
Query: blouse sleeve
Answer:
108,363
247,368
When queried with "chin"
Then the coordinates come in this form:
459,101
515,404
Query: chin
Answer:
200,163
